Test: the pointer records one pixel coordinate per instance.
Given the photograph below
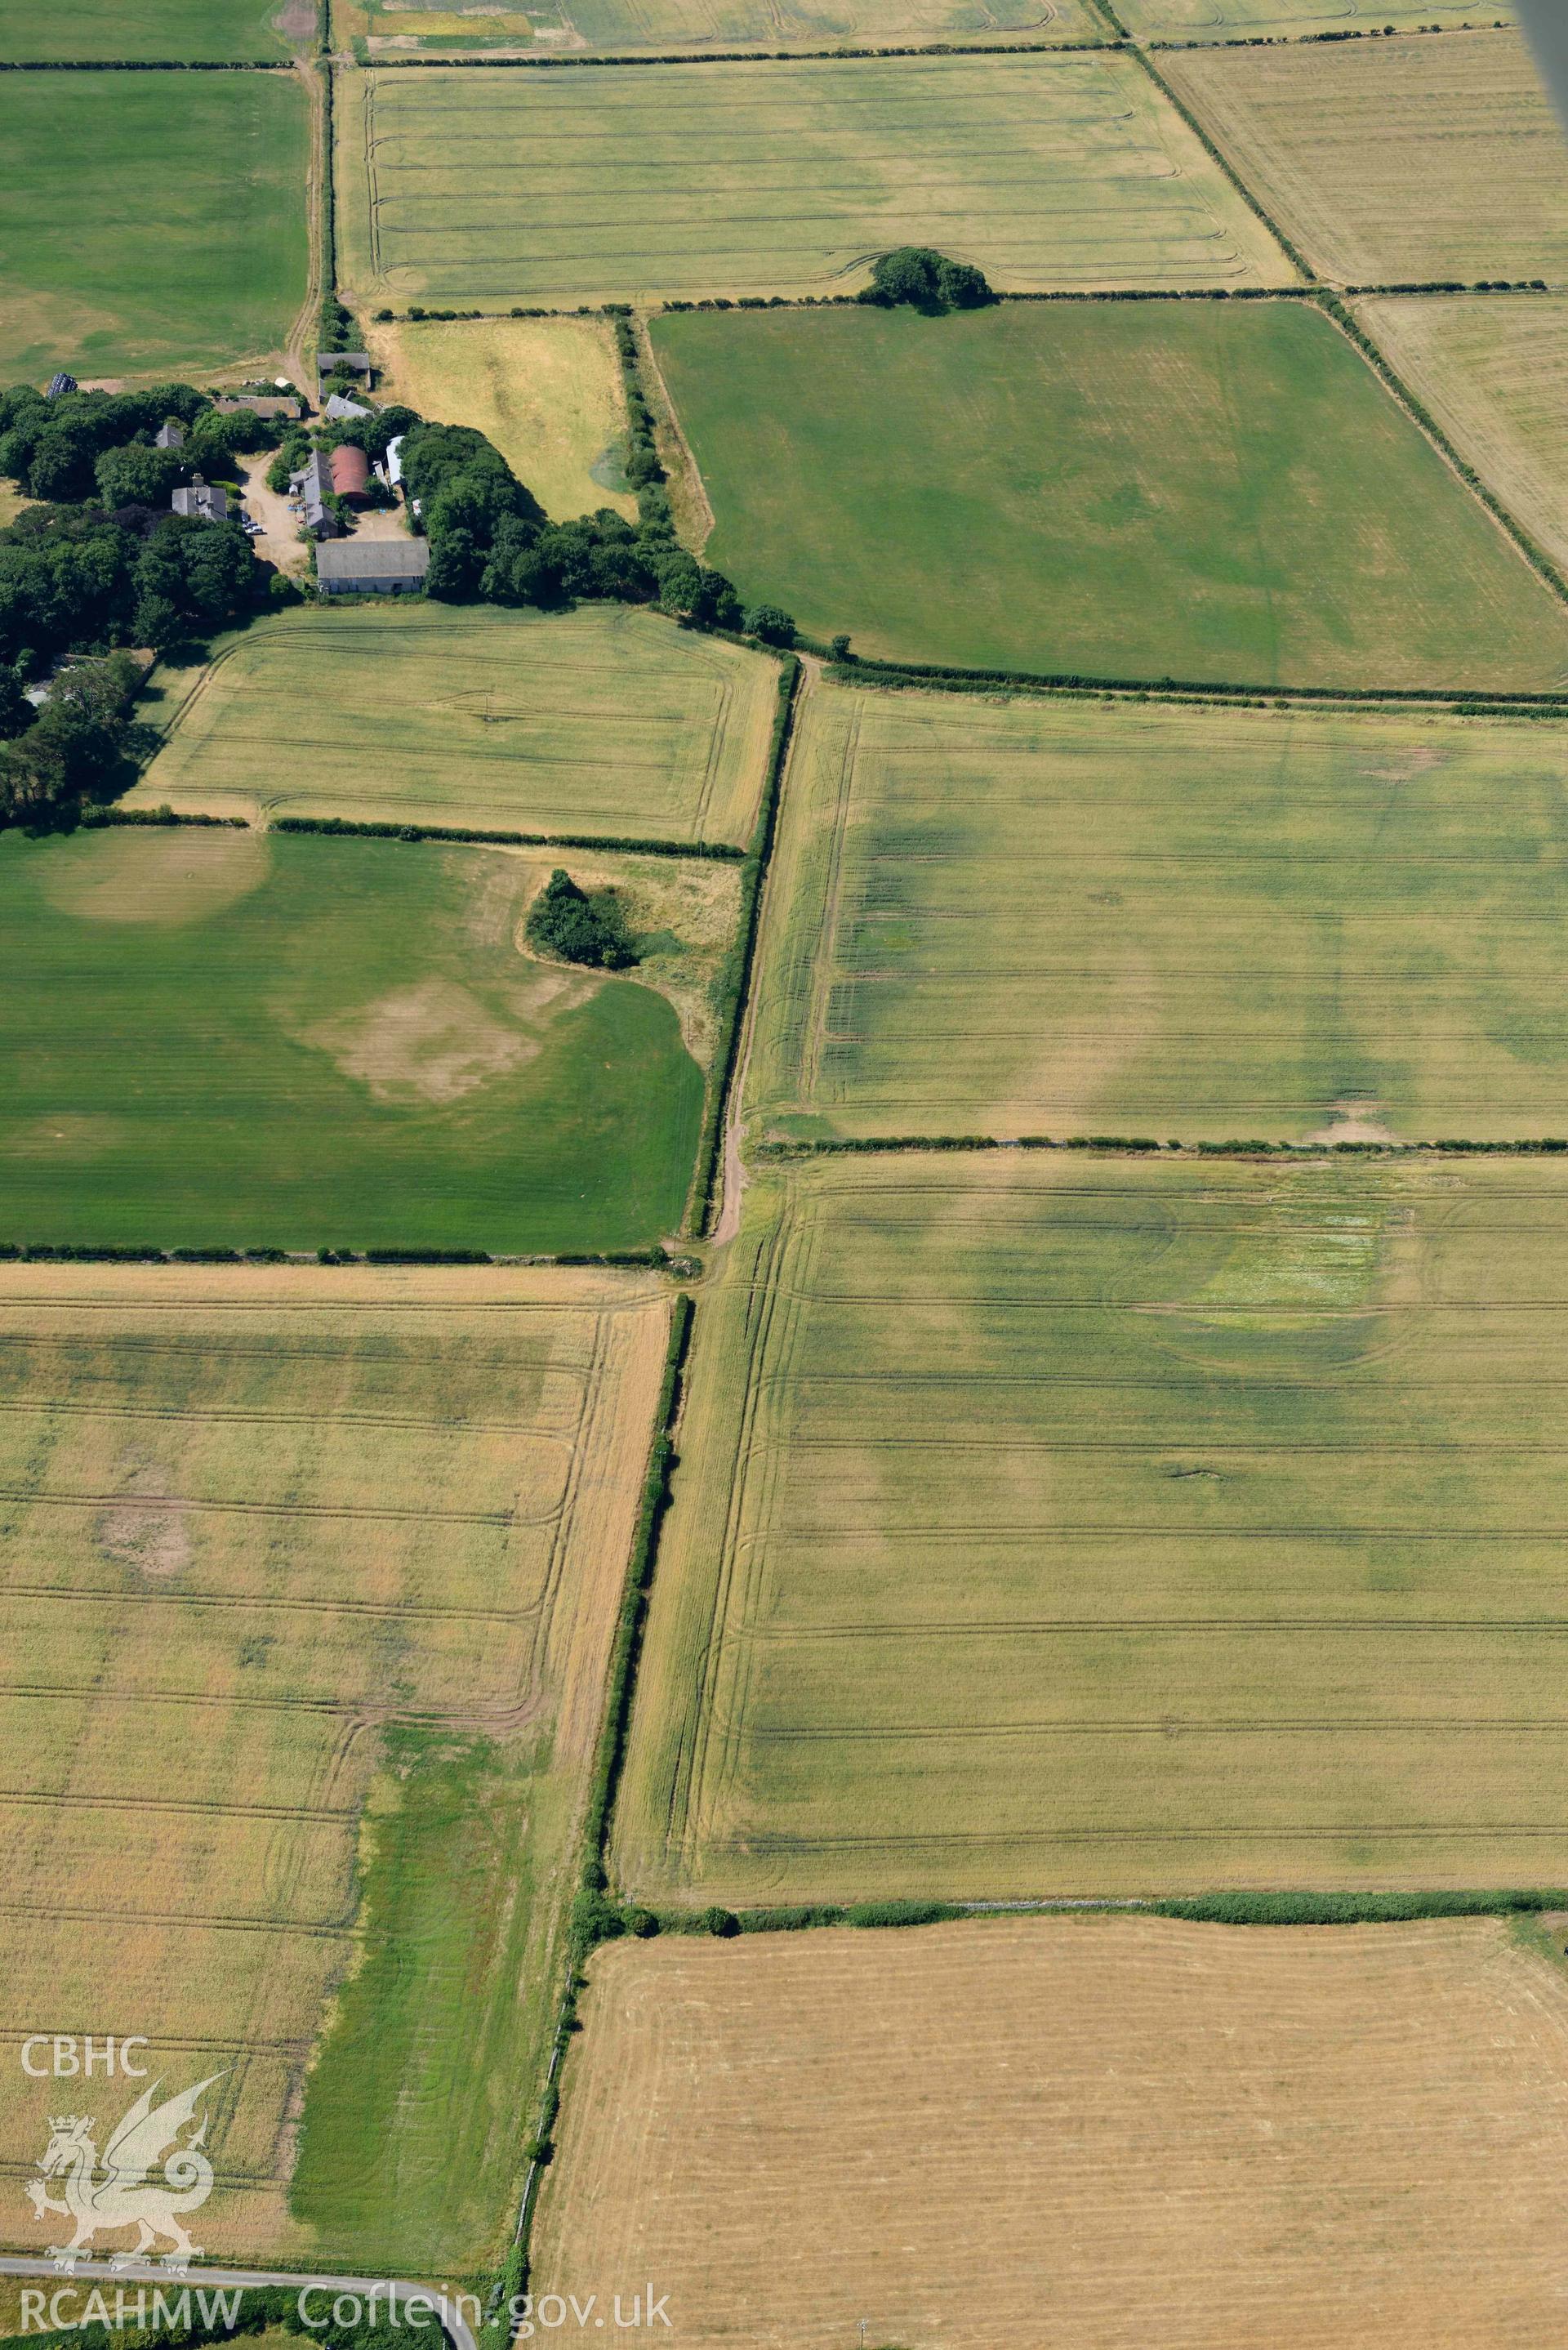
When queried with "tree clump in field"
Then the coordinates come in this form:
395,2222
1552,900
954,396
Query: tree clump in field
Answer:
926,281
587,926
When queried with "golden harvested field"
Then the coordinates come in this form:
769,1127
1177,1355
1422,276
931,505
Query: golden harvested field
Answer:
1495,375
479,189
389,26
1394,161
310,1580
604,720
1033,917
1243,20
1072,2134
546,391
1055,1525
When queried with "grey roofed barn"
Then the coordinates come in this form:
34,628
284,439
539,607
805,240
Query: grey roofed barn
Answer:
314,484
373,566
171,436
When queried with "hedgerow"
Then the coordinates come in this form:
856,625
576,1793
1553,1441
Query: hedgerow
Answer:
734,976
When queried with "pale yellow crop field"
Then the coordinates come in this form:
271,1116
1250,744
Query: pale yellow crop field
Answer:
1044,918
1495,376
1071,2134
610,26
607,720
293,1555
482,190
1055,1525
546,391
1394,161
1246,20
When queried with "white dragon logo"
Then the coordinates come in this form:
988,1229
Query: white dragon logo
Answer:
124,2197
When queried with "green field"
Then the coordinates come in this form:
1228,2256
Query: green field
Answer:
262,1040
206,30
1062,1525
606,719
1059,917
1399,160
177,237
612,25
1203,491
483,189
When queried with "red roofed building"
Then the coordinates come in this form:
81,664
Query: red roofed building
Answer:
350,472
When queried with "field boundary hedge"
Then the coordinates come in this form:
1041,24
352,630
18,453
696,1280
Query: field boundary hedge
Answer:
1466,702
420,314
733,985
95,820
1304,1907
145,64
756,56
651,1260
722,852
1307,40
1131,1146
1216,154
594,1917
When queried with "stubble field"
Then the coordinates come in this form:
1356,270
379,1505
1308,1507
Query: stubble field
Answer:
1495,375
483,189
546,391
128,262
311,1578
1072,2134
1199,490
260,1040
1394,161
1055,1525
612,25
606,719
1063,918
1247,20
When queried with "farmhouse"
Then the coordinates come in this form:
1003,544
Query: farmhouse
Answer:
350,470
203,499
373,566
313,486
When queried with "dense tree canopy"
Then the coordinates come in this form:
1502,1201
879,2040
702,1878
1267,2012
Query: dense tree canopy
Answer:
100,563
586,926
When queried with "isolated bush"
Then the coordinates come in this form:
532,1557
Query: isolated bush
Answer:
722,1922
